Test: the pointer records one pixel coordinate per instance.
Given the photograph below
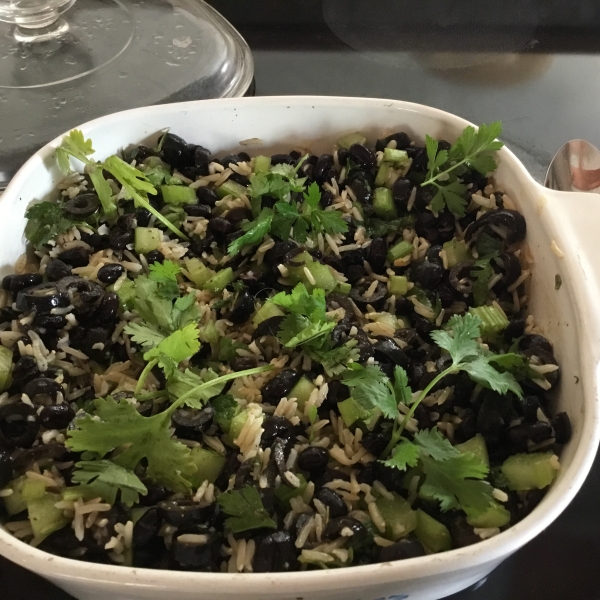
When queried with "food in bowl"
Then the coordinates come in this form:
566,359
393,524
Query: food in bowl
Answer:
274,363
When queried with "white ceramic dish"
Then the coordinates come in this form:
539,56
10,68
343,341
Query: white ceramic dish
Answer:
568,316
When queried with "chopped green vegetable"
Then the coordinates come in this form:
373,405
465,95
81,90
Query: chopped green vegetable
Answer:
400,250
178,194
383,203
245,510
226,408
456,252
147,239
350,139
398,285
45,221
434,536
493,319
534,471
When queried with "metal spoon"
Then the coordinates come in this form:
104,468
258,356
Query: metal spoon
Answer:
575,167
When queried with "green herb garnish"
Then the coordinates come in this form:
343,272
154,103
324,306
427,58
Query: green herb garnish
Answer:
245,509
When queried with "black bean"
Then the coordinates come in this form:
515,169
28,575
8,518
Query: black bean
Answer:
402,141
386,350
313,459
358,537
462,533
239,214
518,437
220,226
540,432
156,493
16,283
110,273
143,216
401,550
275,427
377,254
562,428
6,467
514,329
198,210
326,199
108,309
95,240
76,257
401,191
531,341
19,425
275,552
176,152
118,240
362,156
335,503
279,386
362,190
337,392
354,273
241,363
201,156
52,322
376,442
7,314
392,479
446,295
206,196
155,256
243,308
366,475
466,429
328,476
57,416
24,370
324,163
190,423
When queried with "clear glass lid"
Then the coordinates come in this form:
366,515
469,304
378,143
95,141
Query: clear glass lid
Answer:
103,56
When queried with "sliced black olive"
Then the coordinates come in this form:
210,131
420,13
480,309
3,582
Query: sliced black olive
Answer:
156,493
313,459
510,267
241,363
52,322
57,416
539,356
531,341
194,550
460,277
79,291
43,454
511,221
243,308
428,275
24,370
276,255
268,327
76,257
183,513
362,156
337,392
279,386
110,273
16,283
433,254
118,240
82,206
19,425
347,527
190,422
364,347
6,467
376,299
41,298
388,351
95,240
43,386
335,503
275,552
401,550
275,427
146,529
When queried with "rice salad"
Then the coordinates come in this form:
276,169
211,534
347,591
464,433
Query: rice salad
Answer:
273,363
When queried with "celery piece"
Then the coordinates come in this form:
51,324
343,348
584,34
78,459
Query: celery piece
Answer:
478,447
6,362
493,320
44,517
383,204
147,239
383,174
15,503
126,294
456,252
530,471
32,490
400,250
495,516
209,465
266,311
343,289
178,194
350,139
262,164
319,273
434,536
398,157
398,285
198,272
351,411
220,280
231,188
302,391
400,519
237,424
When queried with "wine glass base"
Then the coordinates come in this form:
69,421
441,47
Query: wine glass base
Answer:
90,36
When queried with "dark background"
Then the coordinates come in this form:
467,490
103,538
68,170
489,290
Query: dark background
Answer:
536,66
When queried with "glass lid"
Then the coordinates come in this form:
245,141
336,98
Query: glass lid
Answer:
103,56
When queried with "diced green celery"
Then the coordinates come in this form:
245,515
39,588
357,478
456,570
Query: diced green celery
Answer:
400,519
266,311
32,490
495,516
302,391
530,471
343,289
153,162
173,180
231,188
350,139
178,194
44,517
6,361
434,536
456,252
400,250
15,503
126,293
351,411
319,273
493,319
383,174
478,447
237,423
147,239
220,280
383,204
209,465
285,493
199,273
398,285
386,318
262,164
71,494
399,157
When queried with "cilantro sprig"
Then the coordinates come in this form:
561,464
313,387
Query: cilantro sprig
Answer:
473,149
45,221
245,509
135,184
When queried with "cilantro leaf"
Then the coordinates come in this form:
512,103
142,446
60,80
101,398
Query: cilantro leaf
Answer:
461,344
73,144
145,335
169,462
284,218
401,388
165,272
255,232
406,454
226,407
228,349
183,382
371,388
185,311
301,302
296,330
481,371
245,510
380,228
321,221
434,444
105,479
475,148
335,360
482,273
178,346
45,221
103,189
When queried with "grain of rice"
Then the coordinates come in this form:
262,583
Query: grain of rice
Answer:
5,493
314,556
500,495
381,489
556,250
376,516
486,532
411,199
382,542
304,533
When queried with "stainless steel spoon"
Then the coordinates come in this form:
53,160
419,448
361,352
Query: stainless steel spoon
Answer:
575,168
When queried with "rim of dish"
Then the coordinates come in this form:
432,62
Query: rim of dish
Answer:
498,547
